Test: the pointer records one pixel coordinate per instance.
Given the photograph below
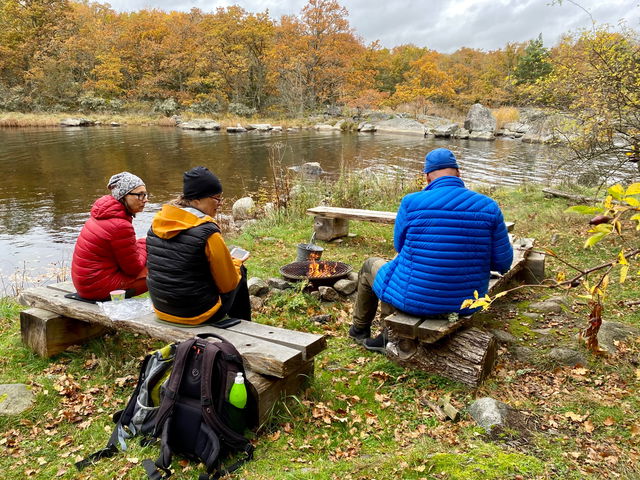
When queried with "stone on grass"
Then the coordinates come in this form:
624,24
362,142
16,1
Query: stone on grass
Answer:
256,302
328,294
15,398
257,287
524,354
503,337
345,287
488,412
612,332
567,356
244,209
324,318
547,306
278,283
353,276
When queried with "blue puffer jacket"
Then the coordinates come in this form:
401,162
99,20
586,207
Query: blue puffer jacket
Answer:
448,240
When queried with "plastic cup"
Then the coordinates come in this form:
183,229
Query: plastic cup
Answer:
117,295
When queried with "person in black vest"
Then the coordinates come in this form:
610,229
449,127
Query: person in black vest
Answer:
192,277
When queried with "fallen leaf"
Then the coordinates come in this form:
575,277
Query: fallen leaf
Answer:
609,421
580,371
576,417
635,430
274,436
588,426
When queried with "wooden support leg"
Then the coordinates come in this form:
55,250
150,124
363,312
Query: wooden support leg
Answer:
271,390
467,356
329,228
48,333
532,272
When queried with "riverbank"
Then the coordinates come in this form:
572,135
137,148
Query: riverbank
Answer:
363,417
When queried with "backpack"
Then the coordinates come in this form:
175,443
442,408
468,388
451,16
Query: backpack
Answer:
181,398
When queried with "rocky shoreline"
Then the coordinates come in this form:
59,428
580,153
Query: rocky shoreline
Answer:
533,126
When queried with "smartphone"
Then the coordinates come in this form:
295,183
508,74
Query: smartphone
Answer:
239,253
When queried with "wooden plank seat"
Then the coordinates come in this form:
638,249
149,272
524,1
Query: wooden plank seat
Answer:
279,361
446,347
333,222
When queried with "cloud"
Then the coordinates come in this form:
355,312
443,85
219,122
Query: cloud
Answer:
443,25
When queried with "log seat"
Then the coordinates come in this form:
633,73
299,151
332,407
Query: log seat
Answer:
279,361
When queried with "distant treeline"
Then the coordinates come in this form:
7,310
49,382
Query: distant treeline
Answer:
64,55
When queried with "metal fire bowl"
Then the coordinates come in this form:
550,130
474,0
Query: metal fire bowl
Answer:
297,271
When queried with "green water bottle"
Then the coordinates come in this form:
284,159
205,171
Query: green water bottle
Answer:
238,392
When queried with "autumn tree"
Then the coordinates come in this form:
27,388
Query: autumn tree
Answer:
595,79
424,82
312,55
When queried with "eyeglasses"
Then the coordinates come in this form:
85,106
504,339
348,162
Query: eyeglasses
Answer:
219,199
141,196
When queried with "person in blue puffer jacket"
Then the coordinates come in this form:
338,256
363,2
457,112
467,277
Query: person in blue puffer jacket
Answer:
448,240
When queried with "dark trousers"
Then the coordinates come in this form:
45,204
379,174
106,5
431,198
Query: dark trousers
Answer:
366,306
235,303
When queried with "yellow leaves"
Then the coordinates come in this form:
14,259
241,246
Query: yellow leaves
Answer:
624,266
633,189
616,191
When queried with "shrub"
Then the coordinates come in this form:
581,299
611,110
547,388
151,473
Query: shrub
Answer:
166,107
241,109
506,115
90,103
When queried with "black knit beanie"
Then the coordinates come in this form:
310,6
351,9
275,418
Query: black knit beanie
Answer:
199,182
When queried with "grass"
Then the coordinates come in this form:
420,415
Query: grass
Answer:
52,119
363,417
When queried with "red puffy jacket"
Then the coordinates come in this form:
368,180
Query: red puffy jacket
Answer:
107,255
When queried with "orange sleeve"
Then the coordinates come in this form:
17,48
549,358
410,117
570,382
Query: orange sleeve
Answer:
224,269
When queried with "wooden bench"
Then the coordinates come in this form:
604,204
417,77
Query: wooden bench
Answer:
279,361
446,348
333,222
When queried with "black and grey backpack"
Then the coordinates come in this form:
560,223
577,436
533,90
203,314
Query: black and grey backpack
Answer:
182,399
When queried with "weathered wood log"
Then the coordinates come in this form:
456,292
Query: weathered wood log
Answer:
48,333
259,355
467,356
426,330
549,192
309,344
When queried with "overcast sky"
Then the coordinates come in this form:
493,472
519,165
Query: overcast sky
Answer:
442,25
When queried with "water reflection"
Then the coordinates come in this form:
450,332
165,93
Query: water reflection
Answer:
51,177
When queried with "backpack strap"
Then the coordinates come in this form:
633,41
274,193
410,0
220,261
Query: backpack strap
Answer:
173,385
120,418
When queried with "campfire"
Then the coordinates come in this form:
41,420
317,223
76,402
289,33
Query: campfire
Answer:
318,272
318,269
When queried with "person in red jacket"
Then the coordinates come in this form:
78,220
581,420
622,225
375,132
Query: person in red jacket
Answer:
107,255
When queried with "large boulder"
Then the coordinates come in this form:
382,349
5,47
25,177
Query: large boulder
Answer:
401,125
244,209
480,119
77,122
200,124
445,131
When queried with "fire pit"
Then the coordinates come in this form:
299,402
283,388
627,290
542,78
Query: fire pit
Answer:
318,273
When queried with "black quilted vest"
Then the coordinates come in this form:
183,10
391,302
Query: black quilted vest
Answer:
179,278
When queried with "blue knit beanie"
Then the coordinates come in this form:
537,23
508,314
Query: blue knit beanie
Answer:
438,159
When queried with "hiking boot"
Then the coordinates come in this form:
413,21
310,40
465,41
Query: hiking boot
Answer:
378,344
359,334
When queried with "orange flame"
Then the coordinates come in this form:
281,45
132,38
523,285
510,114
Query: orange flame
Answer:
320,269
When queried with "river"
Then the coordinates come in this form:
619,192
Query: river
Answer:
49,177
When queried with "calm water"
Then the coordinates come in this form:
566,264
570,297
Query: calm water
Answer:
49,178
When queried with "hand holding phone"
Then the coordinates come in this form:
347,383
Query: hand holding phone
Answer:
240,253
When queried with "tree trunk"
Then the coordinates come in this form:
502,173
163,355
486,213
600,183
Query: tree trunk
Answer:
467,356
